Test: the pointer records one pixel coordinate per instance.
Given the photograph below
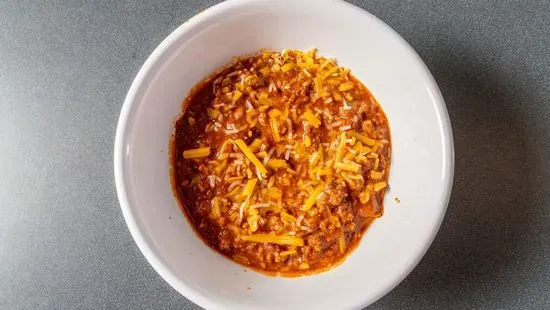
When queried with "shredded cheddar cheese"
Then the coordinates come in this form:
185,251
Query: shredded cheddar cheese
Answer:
196,153
248,153
282,240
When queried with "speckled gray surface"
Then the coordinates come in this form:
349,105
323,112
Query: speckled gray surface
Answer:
65,67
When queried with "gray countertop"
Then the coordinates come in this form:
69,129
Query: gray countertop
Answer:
65,68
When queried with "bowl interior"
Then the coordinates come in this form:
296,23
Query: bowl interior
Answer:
421,170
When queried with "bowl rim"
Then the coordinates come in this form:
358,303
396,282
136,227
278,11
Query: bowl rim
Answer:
128,112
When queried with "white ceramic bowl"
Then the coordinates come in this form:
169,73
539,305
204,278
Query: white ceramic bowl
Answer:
421,170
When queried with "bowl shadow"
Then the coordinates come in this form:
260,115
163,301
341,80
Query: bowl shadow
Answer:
484,233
